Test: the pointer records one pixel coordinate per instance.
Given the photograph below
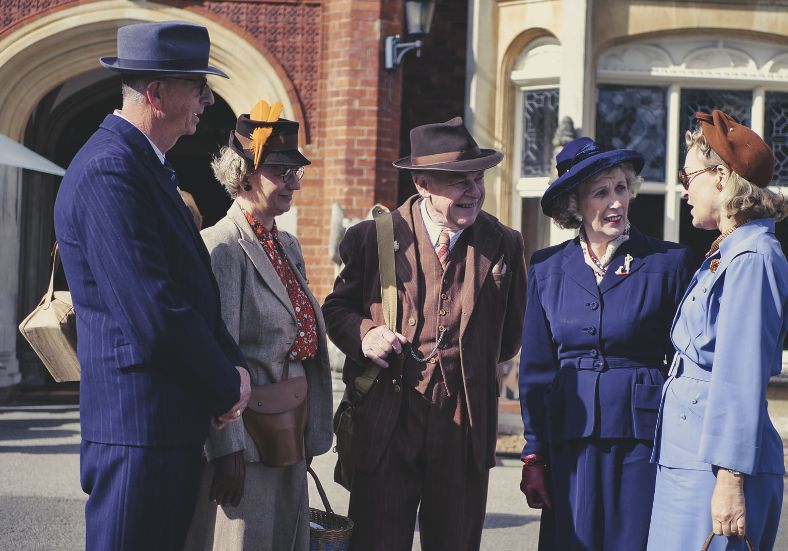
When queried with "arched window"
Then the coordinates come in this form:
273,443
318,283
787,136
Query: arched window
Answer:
535,76
647,96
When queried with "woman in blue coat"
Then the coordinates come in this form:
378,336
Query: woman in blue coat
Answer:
595,355
720,458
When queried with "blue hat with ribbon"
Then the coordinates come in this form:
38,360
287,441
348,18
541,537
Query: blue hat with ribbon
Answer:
578,161
165,47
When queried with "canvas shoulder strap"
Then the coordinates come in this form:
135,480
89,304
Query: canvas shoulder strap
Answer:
384,227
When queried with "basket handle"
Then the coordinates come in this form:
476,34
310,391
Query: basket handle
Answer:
710,537
320,490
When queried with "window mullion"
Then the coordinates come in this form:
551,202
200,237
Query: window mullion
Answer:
673,190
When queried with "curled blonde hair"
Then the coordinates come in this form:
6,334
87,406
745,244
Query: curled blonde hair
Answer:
231,170
565,208
739,198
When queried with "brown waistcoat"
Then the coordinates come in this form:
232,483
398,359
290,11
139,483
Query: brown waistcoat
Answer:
439,306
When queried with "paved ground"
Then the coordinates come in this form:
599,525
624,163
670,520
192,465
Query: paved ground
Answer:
41,502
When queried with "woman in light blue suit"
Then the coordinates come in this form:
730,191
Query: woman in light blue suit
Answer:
720,458
595,354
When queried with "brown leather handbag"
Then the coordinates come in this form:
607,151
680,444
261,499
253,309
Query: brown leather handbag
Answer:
276,419
707,543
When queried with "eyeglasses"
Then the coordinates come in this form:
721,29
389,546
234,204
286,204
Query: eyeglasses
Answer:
290,173
203,82
685,178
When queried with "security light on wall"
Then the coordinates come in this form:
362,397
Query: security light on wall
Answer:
418,18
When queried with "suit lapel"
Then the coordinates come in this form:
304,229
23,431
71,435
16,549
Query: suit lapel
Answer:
139,143
575,267
635,247
254,250
405,261
483,247
292,251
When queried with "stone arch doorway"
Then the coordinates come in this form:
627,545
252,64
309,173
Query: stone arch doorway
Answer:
62,122
49,64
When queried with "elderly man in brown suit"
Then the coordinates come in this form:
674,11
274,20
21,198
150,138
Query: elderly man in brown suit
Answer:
424,435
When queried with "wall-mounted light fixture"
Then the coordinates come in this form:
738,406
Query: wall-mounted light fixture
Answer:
418,19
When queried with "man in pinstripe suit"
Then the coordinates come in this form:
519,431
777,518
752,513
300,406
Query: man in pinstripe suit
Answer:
157,361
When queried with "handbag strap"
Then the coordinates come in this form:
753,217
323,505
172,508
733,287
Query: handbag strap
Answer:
55,263
384,227
320,490
710,537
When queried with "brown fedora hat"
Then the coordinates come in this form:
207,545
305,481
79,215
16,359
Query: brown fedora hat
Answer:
447,146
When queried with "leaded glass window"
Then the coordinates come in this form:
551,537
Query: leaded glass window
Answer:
737,103
540,119
635,117
776,133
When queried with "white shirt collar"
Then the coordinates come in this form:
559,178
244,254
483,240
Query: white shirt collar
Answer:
434,230
156,150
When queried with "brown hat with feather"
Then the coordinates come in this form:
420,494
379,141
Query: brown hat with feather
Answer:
262,138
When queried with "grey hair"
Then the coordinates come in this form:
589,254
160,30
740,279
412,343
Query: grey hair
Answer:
565,208
739,198
231,170
133,88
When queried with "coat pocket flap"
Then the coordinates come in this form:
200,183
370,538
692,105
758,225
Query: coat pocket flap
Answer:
647,396
278,397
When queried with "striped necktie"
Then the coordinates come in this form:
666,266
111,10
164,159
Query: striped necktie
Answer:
442,250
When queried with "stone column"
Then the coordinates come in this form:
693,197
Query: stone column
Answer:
10,187
578,79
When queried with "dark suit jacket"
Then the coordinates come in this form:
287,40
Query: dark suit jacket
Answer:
492,306
157,361
594,356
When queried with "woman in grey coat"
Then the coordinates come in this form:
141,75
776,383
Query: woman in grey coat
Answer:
269,310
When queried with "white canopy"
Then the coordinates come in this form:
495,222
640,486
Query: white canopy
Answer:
14,153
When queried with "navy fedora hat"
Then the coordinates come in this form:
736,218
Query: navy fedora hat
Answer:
579,160
164,47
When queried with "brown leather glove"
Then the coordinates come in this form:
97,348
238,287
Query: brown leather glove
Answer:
534,484
227,485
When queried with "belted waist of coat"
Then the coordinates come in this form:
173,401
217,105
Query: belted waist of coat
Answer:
685,367
603,363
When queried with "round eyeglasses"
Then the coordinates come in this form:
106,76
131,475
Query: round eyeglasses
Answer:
289,173
203,82
686,177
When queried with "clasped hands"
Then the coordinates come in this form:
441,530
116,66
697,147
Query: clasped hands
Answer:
234,414
381,341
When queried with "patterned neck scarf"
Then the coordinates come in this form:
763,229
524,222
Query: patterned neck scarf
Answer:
600,265
305,343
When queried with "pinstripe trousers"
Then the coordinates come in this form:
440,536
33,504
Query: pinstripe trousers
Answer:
138,497
428,466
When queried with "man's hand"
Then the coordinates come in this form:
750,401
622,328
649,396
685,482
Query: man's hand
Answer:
234,415
379,342
727,505
227,485
534,486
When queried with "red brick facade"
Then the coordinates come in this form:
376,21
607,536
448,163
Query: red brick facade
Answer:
329,54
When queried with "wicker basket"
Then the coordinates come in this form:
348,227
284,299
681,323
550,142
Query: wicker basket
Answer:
336,529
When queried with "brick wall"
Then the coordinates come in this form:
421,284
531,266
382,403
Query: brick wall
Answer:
358,134
331,51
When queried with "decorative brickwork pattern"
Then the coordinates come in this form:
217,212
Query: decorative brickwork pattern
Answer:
14,11
291,32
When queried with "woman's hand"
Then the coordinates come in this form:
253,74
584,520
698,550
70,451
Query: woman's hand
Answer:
727,505
227,485
534,485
